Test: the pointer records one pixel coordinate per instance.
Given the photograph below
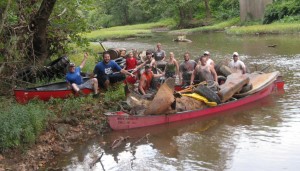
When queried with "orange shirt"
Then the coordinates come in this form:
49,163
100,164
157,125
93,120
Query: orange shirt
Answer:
148,77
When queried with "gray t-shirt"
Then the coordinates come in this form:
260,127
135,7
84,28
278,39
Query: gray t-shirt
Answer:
186,68
159,55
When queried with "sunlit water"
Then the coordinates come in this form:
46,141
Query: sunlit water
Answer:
264,135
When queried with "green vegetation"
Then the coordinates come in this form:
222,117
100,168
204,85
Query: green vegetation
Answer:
21,124
281,9
76,55
127,31
275,28
217,27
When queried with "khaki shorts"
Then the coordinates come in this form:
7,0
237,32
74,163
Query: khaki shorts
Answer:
88,84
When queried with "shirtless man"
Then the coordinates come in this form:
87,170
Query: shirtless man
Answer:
209,60
206,72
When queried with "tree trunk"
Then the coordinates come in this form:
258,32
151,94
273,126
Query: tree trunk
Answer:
39,51
207,9
3,14
182,18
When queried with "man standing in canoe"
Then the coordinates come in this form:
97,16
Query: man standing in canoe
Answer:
186,68
236,64
75,81
106,69
205,72
209,61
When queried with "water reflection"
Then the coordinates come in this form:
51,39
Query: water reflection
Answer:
259,136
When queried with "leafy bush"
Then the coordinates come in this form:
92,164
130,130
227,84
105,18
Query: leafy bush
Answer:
21,124
280,9
226,9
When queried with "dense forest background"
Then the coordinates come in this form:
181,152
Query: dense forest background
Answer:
32,31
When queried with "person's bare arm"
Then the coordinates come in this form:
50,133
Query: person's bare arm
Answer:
193,77
84,60
123,71
158,75
214,73
177,66
141,85
139,66
243,68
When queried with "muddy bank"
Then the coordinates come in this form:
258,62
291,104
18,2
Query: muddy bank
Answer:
58,138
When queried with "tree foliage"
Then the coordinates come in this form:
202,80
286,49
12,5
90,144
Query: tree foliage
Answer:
280,9
32,31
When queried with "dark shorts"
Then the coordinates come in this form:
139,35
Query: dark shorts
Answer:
113,78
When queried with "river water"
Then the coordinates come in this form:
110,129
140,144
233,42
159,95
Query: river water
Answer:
264,135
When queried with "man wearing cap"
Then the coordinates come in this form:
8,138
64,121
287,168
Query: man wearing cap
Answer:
209,61
205,72
146,78
236,64
75,81
106,71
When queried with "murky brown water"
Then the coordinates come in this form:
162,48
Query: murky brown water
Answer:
264,135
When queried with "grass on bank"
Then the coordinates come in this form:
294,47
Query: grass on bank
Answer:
21,125
216,27
127,31
276,28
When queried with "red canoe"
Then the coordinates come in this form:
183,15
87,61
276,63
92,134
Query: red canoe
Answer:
46,92
120,120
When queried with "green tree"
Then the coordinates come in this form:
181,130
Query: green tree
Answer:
34,30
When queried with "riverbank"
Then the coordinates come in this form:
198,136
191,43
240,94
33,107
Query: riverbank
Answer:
62,123
122,32
233,26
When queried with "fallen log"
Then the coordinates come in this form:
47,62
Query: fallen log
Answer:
234,83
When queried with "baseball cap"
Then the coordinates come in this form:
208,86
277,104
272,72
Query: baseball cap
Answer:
71,64
235,54
206,53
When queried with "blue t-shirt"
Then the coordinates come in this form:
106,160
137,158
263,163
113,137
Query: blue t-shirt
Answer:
74,77
105,69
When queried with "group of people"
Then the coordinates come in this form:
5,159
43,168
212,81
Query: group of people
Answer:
105,72
204,68
108,71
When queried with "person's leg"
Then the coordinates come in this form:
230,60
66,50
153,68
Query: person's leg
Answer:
103,82
95,85
75,87
113,78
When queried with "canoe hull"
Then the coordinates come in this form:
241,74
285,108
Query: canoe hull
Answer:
46,92
121,120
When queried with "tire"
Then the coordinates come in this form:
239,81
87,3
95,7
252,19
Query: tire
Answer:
221,79
246,88
225,70
207,93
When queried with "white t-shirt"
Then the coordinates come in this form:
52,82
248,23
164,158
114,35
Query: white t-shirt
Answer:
209,62
237,66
